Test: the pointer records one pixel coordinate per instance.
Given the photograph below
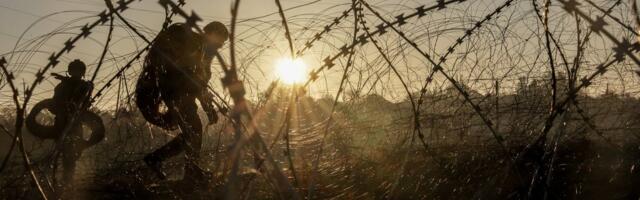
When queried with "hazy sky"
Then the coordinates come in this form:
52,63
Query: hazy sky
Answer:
46,24
36,18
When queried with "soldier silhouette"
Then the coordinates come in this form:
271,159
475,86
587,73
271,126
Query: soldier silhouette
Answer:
176,72
70,98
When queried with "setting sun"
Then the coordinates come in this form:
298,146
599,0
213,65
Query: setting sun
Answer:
291,71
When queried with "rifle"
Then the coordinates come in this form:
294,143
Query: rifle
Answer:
59,76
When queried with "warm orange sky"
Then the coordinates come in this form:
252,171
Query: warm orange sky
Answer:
262,43
256,17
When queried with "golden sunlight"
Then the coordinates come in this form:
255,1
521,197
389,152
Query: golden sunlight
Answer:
291,71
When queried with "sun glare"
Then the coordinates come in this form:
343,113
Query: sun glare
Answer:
291,71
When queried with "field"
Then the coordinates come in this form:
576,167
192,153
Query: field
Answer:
330,99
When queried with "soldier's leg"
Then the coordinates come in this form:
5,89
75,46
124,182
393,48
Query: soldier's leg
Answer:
176,145
189,140
68,166
71,152
191,127
171,149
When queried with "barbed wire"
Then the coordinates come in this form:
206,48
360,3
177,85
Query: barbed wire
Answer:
53,61
381,29
447,106
237,92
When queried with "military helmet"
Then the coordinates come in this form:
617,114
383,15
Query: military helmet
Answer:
217,28
77,68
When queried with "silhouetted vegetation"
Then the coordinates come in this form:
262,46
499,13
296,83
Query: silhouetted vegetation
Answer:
448,99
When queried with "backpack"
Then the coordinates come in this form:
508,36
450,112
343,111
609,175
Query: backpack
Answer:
164,50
